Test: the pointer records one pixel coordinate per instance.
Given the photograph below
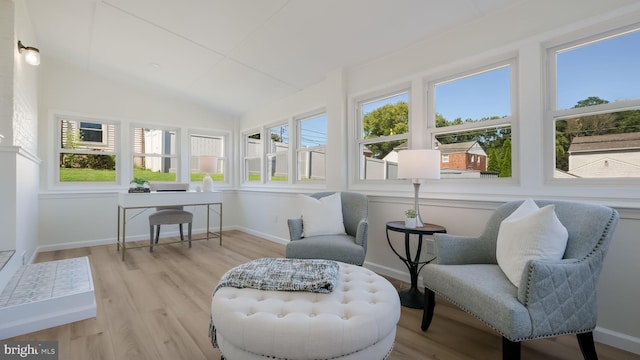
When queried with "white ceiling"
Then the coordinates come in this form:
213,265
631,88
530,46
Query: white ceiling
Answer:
235,55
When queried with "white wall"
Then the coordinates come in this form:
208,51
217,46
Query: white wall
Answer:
521,31
89,217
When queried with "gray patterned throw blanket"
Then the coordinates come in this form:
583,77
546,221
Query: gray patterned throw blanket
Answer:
312,275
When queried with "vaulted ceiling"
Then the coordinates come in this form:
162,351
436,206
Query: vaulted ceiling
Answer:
235,55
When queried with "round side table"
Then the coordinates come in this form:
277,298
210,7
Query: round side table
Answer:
413,297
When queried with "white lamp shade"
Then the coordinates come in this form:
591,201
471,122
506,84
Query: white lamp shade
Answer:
207,164
419,164
32,57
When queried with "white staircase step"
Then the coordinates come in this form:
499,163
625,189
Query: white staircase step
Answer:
48,294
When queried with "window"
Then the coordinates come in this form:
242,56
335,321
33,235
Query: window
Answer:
278,153
207,157
312,141
473,123
155,156
595,106
383,131
86,151
252,156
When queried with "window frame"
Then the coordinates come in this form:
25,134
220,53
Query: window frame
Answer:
511,120
228,179
552,113
245,157
297,121
58,117
177,157
358,136
268,153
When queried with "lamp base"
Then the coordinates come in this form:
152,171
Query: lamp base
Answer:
207,183
416,190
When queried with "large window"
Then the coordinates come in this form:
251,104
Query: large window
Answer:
595,106
252,157
311,151
383,131
86,151
278,153
207,157
473,119
155,154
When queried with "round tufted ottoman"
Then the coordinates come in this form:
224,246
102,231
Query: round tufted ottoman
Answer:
355,321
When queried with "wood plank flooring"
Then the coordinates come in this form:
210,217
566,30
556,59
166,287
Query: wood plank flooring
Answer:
157,305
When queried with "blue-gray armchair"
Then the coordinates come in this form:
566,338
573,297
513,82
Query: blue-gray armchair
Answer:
348,248
554,297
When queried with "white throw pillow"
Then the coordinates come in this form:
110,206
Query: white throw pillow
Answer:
529,233
322,216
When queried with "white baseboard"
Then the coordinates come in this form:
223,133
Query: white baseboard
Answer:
617,340
266,236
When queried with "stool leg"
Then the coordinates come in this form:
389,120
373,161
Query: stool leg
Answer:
157,233
181,234
189,235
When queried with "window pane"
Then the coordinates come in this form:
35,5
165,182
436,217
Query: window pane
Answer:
253,145
479,97
253,169
154,141
599,72
207,154
478,153
279,140
311,164
313,131
278,168
385,117
155,168
598,146
87,151
377,167
87,167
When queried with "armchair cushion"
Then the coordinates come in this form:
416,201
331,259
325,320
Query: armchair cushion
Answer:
529,233
322,216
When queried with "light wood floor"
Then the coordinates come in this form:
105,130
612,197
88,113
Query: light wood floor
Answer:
157,305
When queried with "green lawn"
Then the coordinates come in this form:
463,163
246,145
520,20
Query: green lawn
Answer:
90,175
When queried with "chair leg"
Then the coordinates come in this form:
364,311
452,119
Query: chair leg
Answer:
157,234
427,313
189,235
150,238
181,234
587,346
510,349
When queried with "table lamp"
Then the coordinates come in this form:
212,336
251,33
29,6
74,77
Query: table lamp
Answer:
207,166
417,165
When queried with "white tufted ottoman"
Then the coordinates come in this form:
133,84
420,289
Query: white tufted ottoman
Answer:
355,321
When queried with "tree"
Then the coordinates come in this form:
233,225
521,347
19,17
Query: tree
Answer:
505,162
493,164
390,119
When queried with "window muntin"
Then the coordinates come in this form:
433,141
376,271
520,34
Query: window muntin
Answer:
473,117
155,155
595,107
252,157
384,130
278,153
207,157
311,151
81,157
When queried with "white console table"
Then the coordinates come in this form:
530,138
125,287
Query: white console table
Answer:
129,201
